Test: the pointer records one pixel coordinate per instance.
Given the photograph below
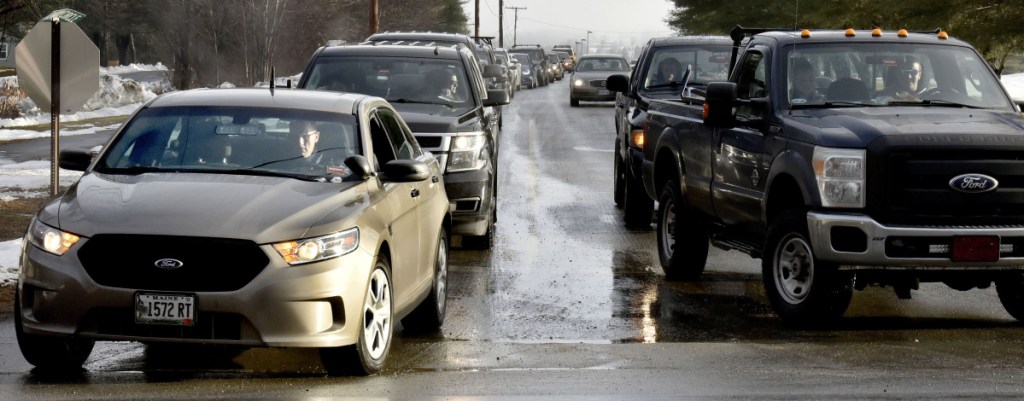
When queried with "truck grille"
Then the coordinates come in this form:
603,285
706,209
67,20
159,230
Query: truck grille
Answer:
206,264
917,187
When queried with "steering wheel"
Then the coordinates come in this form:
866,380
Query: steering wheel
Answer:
941,93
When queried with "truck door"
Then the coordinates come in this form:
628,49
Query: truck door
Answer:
740,162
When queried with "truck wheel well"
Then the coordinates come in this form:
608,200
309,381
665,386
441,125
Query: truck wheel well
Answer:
664,170
783,195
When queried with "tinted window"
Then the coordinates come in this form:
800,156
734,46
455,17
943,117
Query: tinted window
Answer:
397,79
708,64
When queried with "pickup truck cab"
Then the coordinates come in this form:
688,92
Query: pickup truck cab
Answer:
657,75
844,159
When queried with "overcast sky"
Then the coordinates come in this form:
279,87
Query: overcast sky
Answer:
550,22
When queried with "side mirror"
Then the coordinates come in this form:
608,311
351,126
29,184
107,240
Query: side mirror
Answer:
617,83
75,160
405,171
497,97
720,105
686,82
494,71
359,166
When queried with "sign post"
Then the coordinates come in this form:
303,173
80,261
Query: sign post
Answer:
58,67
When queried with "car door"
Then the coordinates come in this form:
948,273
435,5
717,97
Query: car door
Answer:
398,207
740,162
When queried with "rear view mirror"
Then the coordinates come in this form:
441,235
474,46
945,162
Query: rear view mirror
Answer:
74,160
719,105
359,166
405,171
494,71
497,97
617,83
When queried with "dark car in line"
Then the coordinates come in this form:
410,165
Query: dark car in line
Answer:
539,59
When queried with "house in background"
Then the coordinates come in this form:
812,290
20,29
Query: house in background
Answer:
7,45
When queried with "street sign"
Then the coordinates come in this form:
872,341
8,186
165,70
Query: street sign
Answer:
65,15
79,66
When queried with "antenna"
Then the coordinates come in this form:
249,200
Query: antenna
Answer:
271,81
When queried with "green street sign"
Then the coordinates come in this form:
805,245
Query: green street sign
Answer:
64,14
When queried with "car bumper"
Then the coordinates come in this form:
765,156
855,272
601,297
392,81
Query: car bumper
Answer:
312,305
858,242
471,200
591,93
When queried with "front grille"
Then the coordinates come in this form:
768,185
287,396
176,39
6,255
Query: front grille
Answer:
917,189
207,264
941,247
429,142
208,326
598,83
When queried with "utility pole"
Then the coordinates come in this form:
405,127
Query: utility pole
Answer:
501,23
374,24
515,24
476,20
588,41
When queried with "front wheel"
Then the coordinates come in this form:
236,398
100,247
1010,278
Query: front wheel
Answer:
1010,289
638,207
803,290
429,315
682,236
620,180
46,352
376,329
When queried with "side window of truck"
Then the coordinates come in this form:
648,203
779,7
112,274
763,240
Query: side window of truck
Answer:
752,81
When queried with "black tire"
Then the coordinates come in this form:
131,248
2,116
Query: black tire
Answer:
62,354
637,206
371,350
682,236
804,291
618,170
429,315
1011,294
573,102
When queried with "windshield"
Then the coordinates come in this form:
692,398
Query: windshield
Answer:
707,63
890,74
397,79
235,140
611,64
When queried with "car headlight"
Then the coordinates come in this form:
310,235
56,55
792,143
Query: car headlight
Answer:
50,239
526,72
307,250
578,82
465,152
840,174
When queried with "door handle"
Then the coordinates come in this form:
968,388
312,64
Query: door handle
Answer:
415,192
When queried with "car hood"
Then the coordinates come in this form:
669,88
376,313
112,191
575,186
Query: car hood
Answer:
426,118
262,209
858,127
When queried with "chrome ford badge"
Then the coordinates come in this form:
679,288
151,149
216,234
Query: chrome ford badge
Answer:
168,264
973,183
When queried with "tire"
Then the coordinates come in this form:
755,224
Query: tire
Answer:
620,180
1010,289
429,315
573,102
370,352
682,236
50,353
637,206
804,291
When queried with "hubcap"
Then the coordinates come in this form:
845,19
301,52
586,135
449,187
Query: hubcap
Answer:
441,281
668,228
794,269
377,315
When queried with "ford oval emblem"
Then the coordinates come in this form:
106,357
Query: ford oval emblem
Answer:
973,183
168,264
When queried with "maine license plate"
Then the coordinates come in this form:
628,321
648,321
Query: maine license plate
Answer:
976,248
171,309
603,92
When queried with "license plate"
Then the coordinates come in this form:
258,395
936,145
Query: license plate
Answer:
603,92
170,309
976,249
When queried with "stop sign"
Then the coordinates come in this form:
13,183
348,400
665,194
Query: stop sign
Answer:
79,66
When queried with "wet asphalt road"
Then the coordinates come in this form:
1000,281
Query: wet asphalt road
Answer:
569,304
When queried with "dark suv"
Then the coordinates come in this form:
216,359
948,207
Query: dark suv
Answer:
709,58
441,94
539,59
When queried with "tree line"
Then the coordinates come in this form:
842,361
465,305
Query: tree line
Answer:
993,26
207,42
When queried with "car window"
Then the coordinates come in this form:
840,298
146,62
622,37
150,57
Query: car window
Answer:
383,149
396,79
405,147
708,64
226,138
602,64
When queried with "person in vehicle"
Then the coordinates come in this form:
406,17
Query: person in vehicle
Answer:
803,83
441,84
669,70
903,81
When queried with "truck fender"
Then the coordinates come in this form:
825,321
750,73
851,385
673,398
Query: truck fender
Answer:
792,168
666,154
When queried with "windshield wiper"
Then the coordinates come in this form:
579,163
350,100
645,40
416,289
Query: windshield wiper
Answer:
133,170
829,105
933,102
270,173
404,100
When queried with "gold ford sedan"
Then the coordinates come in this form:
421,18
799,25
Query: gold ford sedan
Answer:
241,217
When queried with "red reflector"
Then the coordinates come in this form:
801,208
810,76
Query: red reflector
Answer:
976,249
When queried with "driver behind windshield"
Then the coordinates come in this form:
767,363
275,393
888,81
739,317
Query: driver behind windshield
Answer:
669,70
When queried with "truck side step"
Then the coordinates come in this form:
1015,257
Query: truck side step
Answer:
736,244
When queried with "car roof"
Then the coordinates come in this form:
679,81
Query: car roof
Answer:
690,40
448,52
421,36
832,36
329,101
602,55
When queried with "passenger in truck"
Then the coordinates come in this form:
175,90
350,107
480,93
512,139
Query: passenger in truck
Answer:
804,89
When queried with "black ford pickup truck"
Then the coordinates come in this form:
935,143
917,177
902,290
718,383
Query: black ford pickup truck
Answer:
844,159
